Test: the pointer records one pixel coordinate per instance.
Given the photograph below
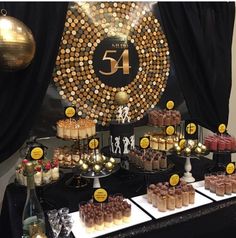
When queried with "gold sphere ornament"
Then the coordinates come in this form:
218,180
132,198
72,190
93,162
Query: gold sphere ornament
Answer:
121,98
84,167
91,160
96,168
99,159
17,44
199,144
81,162
104,158
191,144
109,166
187,151
112,160
203,147
178,149
198,150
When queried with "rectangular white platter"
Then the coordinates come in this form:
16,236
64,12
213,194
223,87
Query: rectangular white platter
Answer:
200,200
199,186
137,217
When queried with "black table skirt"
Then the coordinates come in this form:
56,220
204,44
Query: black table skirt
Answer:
213,219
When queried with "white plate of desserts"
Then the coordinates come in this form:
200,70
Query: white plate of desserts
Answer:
142,201
137,217
199,186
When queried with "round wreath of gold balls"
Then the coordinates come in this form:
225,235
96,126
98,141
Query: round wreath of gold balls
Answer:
86,25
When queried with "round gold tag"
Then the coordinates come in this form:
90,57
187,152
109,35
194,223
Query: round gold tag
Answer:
230,168
222,128
174,180
144,143
191,128
70,112
182,143
170,130
93,144
36,153
100,195
170,105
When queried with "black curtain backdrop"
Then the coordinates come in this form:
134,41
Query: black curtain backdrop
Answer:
200,36
22,92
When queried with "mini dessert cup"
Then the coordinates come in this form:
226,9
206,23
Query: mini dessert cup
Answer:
171,200
228,188
220,189
108,218
38,178
178,198
185,197
162,201
99,221
126,212
117,216
150,190
60,128
89,222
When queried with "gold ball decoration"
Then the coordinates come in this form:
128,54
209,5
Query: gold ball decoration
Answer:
96,168
191,144
187,151
109,166
112,160
178,149
17,44
88,25
121,98
203,147
99,159
198,150
84,167
81,162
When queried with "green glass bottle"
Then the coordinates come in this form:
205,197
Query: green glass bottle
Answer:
33,212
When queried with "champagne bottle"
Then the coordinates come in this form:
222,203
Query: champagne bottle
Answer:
33,212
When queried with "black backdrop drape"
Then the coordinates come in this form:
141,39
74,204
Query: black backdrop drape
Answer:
22,92
200,36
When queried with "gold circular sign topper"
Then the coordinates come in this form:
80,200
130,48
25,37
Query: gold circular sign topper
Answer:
230,168
170,130
170,105
191,128
70,112
174,180
93,144
144,142
100,195
222,128
36,153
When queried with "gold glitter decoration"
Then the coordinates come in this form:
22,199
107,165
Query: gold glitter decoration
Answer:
87,25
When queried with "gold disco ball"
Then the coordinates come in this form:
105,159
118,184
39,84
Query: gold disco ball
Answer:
17,44
121,98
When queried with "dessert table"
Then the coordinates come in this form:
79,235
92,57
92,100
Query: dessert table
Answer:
216,218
